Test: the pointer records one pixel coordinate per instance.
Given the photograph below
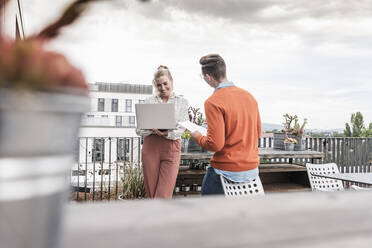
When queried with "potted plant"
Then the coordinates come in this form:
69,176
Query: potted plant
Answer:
189,145
292,129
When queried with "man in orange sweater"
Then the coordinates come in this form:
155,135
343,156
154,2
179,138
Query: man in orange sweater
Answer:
234,127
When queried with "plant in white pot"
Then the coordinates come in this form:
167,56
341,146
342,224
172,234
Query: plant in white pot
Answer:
292,129
42,98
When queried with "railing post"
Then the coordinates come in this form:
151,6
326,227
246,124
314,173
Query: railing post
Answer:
86,169
125,148
109,182
102,158
333,147
78,169
131,151
353,154
369,156
139,151
117,168
338,149
365,155
360,155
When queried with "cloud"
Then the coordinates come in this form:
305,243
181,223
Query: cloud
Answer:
310,58
313,23
261,12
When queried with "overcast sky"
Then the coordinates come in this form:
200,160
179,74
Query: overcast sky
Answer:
310,58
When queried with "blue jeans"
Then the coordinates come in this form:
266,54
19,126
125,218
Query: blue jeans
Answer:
212,183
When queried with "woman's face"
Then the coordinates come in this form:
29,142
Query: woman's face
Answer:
164,86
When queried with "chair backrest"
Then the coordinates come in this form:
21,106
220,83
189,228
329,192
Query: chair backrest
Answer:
322,183
233,189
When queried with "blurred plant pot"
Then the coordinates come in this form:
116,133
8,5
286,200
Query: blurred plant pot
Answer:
184,145
38,139
288,146
193,146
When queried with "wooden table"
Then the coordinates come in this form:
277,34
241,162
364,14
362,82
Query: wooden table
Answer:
365,178
265,153
270,153
276,176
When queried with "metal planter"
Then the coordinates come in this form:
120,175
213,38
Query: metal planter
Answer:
279,141
38,138
193,146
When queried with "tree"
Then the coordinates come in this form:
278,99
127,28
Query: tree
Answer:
358,124
347,131
367,132
356,127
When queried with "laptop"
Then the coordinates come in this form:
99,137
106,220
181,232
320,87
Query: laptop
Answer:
156,115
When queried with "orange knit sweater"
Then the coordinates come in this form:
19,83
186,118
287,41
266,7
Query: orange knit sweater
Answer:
234,127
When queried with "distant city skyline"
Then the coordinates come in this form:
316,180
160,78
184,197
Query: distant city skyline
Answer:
299,57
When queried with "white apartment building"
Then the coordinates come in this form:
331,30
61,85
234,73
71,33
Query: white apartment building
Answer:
107,135
112,112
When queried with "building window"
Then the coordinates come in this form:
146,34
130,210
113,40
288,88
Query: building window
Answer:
128,105
104,116
118,120
101,104
114,105
141,101
90,116
98,153
123,149
132,120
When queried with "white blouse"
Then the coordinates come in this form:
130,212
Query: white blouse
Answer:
181,105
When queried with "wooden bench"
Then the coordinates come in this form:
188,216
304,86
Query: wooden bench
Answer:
284,177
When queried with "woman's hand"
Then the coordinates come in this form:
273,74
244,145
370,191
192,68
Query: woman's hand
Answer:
160,133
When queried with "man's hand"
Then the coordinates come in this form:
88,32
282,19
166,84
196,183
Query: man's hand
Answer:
194,135
160,133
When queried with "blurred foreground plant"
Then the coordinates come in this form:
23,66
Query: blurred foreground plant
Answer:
25,64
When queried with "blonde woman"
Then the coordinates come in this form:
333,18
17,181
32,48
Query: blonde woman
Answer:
161,150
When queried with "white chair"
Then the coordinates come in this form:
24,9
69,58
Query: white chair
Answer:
326,184
233,189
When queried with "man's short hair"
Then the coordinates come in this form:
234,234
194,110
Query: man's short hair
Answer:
214,65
